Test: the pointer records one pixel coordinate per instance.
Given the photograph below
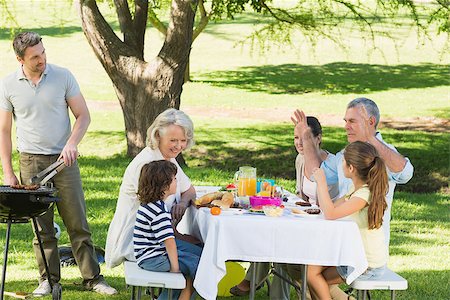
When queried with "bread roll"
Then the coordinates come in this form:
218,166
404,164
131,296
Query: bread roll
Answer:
220,203
207,198
228,199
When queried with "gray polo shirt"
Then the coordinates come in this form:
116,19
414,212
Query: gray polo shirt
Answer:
40,112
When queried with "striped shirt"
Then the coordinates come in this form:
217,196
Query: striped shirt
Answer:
152,227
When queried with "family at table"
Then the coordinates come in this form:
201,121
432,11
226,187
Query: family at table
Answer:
357,182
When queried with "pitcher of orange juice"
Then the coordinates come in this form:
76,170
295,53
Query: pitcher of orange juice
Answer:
246,181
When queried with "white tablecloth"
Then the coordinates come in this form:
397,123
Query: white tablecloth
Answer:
257,238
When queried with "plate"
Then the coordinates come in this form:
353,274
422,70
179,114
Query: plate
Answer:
232,211
255,212
306,215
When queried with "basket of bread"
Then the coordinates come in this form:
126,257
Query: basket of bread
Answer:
220,199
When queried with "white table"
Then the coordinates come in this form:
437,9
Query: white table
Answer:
257,238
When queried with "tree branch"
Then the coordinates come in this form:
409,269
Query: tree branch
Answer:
352,8
126,25
98,32
204,20
177,45
156,22
140,23
275,15
123,15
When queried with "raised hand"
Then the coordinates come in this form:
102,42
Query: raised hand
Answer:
366,129
299,120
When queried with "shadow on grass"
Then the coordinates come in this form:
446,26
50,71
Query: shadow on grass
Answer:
54,31
333,78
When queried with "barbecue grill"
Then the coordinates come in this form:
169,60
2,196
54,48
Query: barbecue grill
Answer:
21,205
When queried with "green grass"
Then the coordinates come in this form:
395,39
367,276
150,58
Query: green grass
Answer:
408,82
420,231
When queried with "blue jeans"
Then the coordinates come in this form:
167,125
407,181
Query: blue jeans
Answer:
370,273
188,259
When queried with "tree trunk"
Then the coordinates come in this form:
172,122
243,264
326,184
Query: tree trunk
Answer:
153,89
187,72
144,89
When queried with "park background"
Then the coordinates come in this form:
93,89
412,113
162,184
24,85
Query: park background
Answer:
240,100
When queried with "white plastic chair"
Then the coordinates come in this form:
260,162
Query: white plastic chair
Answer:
389,281
138,278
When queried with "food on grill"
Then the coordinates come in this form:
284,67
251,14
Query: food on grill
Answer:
31,187
17,186
313,211
207,198
302,203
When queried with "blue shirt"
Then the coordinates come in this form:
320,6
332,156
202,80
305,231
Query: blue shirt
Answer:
152,227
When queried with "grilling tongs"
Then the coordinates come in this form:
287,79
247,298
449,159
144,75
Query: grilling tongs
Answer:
48,173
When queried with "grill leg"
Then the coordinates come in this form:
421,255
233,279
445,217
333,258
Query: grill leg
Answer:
47,270
5,258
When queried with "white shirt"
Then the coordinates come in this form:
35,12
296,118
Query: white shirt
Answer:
119,242
309,188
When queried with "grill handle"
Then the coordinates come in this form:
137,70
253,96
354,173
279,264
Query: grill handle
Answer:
44,199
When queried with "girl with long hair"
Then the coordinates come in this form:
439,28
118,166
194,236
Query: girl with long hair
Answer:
365,204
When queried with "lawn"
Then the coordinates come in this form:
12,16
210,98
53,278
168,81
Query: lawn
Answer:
240,102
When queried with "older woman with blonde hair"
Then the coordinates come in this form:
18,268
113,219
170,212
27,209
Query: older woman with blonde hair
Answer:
170,134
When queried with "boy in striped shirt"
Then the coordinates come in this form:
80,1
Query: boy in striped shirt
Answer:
155,247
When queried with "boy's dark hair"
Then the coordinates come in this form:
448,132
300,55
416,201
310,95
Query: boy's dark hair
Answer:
155,180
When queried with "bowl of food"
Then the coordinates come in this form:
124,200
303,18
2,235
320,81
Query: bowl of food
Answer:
262,201
272,210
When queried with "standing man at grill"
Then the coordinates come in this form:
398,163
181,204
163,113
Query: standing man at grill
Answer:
38,96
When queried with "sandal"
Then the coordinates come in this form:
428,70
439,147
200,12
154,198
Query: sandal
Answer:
235,290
